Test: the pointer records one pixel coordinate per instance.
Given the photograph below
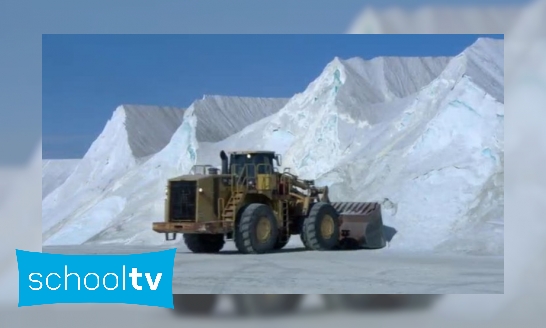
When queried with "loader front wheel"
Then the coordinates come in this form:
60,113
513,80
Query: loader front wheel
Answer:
204,243
304,240
321,228
257,230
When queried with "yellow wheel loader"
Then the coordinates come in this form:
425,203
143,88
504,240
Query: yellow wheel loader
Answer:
250,202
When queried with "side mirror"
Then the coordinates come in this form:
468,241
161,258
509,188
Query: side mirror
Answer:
278,159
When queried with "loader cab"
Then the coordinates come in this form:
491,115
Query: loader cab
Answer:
250,163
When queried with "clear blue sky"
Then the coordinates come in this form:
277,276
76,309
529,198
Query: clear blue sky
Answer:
85,77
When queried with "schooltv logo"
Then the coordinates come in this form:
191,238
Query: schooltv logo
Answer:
140,279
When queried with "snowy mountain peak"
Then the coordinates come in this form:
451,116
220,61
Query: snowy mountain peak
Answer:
150,128
119,109
337,63
325,87
486,66
218,117
487,42
334,74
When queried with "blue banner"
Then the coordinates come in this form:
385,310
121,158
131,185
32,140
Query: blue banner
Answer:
140,279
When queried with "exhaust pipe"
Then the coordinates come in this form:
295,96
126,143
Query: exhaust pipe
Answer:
224,158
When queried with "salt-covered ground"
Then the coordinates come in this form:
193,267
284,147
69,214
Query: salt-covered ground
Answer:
296,271
423,136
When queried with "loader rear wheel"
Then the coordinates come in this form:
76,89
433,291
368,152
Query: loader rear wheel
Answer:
321,228
204,243
257,230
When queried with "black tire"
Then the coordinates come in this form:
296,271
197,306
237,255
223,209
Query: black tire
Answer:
194,304
266,304
312,228
282,241
248,241
237,235
204,243
304,240
302,234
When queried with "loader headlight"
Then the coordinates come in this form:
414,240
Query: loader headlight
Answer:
252,184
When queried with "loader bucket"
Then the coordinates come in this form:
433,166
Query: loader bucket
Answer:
361,225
